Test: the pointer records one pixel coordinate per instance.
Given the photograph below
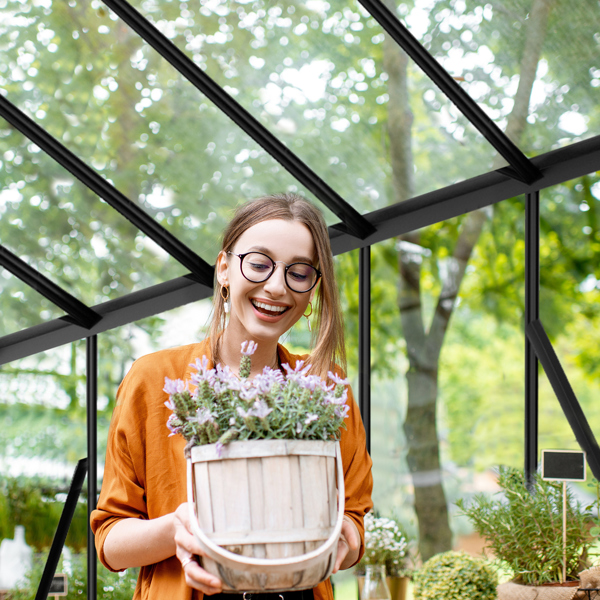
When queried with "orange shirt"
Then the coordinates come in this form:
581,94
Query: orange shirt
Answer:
145,469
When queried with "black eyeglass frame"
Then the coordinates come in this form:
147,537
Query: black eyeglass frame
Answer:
287,267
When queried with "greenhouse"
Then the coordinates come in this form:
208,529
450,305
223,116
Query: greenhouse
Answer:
453,147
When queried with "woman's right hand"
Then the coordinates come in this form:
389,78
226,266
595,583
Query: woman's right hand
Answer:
188,548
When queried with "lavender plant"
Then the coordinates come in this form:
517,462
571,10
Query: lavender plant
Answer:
222,407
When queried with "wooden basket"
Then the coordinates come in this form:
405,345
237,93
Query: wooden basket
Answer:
265,512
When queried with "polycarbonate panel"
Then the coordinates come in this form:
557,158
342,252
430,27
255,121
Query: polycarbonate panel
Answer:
63,230
538,60
320,77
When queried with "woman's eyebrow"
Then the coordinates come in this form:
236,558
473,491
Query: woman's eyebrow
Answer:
266,251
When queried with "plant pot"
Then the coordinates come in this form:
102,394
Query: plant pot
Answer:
552,591
265,512
398,586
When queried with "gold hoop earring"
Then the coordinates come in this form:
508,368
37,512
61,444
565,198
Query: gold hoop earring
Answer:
308,315
226,301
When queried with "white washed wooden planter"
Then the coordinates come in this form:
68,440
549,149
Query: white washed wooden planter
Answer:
266,512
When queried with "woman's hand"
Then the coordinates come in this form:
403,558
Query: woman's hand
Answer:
187,548
348,545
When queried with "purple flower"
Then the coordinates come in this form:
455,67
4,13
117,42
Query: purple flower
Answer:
243,413
248,394
261,409
219,448
310,418
174,430
251,348
337,379
174,386
299,369
203,415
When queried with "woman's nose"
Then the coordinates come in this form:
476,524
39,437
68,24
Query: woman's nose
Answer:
275,285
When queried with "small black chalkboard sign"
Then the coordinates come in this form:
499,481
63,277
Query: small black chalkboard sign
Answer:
58,586
563,465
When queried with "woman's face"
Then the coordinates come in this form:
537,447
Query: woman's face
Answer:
265,311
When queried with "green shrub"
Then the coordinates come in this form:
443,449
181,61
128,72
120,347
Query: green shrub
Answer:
37,504
111,586
455,576
523,528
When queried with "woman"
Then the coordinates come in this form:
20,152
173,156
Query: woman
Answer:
275,260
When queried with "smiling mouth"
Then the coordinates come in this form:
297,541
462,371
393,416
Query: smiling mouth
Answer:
269,309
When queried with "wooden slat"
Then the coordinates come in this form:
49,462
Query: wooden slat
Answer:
217,497
269,537
203,497
257,504
278,513
313,469
332,491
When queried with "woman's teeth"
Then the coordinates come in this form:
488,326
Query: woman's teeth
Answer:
269,307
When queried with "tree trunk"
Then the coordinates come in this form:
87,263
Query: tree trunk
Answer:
424,347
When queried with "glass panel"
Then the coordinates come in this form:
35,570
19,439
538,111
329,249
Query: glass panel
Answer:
521,54
96,86
22,307
569,297
316,75
59,227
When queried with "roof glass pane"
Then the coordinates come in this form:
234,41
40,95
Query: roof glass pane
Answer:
59,227
320,77
22,307
539,60
95,85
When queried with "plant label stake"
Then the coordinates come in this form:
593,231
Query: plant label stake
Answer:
563,465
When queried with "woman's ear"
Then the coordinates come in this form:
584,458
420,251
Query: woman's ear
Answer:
222,268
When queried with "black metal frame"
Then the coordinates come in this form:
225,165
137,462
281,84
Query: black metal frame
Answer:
523,176
353,221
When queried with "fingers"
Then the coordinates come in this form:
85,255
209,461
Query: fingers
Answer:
187,548
199,579
348,543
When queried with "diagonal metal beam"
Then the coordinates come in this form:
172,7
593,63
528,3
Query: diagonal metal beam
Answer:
564,392
522,168
81,314
200,269
557,166
355,223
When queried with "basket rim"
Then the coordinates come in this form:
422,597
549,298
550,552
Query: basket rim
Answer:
263,449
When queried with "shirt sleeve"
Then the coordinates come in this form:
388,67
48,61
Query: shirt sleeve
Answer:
357,463
123,488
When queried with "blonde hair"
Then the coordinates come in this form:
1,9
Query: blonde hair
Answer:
328,348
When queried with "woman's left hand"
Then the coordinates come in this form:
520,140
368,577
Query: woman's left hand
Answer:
348,545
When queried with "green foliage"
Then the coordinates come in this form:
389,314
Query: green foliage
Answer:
523,528
111,586
223,407
37,504
455,576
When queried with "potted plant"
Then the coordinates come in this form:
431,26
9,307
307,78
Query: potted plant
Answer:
455,576
523,528
386,545
262,456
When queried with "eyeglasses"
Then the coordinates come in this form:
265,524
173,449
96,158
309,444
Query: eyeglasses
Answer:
258,267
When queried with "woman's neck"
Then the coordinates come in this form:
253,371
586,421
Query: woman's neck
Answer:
230,354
